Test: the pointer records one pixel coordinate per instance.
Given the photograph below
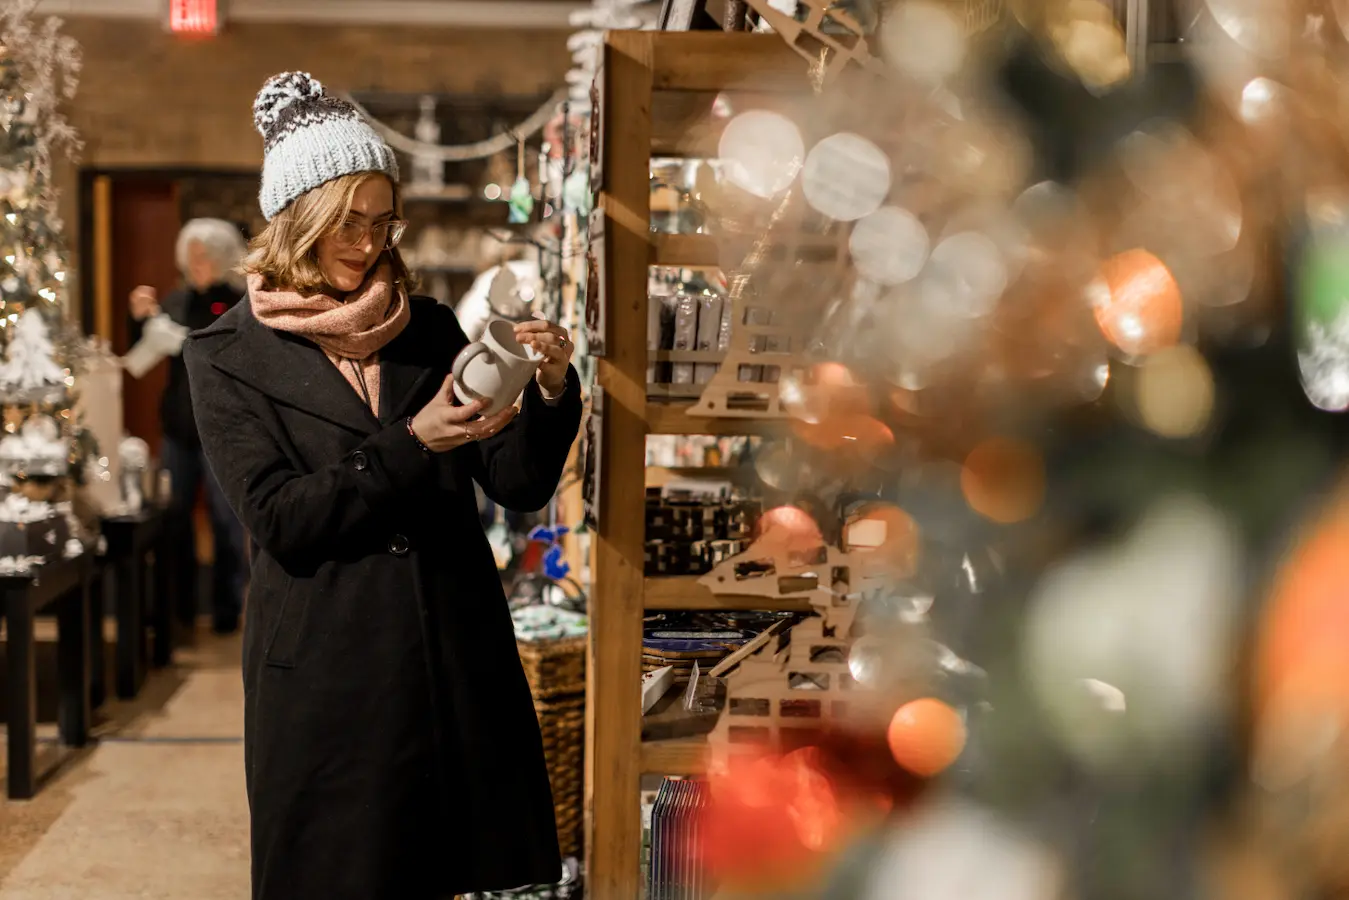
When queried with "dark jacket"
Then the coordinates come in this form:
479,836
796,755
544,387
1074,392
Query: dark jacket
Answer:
391,745
197,310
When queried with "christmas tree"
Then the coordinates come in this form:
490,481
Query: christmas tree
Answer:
38,70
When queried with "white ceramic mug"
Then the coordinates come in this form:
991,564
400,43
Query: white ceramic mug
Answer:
495,369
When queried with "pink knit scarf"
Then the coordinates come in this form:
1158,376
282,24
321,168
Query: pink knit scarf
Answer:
351,331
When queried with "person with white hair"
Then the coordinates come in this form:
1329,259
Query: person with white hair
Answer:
208,253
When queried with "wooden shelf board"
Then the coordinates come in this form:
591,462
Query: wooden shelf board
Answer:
673,418
682,756
658,476
716,61
684,592
701,251
683,125
685,251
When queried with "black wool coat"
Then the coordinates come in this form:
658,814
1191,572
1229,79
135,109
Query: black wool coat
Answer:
391,745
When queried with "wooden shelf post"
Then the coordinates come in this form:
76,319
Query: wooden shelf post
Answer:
614,674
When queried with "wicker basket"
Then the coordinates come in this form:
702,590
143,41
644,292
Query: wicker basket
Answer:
556,672
562,722
554,668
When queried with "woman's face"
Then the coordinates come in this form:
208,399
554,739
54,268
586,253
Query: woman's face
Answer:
345,263
201,270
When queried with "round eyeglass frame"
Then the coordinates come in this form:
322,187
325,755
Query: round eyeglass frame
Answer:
396,229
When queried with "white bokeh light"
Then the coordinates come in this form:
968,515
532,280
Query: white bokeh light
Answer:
890,246
924,41
846,177
761,152
954,850
965,276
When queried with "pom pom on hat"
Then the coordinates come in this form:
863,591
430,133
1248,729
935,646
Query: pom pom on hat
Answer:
281,91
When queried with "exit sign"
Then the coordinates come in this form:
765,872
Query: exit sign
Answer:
194,16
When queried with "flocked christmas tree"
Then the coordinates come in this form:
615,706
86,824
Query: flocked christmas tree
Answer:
38,70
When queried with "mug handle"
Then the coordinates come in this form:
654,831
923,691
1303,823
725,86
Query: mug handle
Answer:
466,356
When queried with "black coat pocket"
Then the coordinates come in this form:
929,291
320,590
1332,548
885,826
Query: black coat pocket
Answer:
285,636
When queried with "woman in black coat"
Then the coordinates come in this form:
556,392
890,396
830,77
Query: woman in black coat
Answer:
391,745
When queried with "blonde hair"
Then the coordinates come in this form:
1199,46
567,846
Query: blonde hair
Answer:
222,243
284,252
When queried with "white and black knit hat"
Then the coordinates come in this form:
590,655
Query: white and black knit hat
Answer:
310,138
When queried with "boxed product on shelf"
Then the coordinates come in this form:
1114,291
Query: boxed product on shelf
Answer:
699,450
692,526
675,868
689,323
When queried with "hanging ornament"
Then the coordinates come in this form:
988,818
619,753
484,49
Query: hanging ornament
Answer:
1321,305
522,194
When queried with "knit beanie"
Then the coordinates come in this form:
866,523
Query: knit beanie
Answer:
309,138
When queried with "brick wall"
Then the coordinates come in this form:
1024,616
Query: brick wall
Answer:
149,99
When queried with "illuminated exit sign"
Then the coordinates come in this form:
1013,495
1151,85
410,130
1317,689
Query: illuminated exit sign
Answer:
200,17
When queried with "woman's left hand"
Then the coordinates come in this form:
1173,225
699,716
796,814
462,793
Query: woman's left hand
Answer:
555,345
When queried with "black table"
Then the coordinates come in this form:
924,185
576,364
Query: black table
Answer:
65,585
138,563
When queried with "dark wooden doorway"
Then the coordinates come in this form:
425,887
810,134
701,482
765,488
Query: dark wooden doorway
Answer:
129,223
129,226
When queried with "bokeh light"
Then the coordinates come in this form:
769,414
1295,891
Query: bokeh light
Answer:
761,152
924,40
965,276
1003,480
926,736
889,246
846,177
1137,303
789,529
1175,392
886,537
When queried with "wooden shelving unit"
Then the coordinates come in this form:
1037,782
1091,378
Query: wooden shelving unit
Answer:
656,93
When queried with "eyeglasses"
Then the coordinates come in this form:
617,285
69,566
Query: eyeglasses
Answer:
384,235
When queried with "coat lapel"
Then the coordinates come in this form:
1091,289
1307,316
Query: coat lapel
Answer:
401,375
293,372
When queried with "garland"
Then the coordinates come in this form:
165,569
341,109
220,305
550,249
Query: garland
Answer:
458,153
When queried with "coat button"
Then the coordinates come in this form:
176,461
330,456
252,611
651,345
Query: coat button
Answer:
360,461
398,545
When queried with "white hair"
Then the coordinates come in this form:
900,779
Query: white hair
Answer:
223,243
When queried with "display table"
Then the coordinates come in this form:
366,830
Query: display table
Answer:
63,584
139,576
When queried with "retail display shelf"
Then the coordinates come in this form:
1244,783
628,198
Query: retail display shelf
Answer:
674,418
679,756
685,251
684,592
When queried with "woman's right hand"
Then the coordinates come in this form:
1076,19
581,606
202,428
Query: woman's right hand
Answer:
144,302
443,426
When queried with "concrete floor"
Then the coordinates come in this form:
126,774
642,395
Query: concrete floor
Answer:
155,808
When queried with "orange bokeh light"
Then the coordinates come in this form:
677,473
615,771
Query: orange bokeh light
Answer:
827,389
926,736
1137,303
776,821
857,437
1003,480
789,529
1302,659
769,822
884,535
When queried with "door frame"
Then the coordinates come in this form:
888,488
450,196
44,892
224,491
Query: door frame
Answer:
95,244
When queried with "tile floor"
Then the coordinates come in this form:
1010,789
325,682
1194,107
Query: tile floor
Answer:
155,809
